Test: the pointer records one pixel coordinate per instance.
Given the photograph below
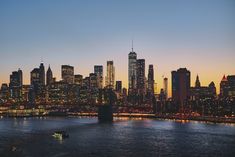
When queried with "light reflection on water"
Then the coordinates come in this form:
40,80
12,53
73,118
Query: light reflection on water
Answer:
125,137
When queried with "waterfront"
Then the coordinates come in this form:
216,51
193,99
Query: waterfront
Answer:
125,137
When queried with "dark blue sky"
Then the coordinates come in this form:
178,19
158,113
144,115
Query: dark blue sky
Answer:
197,34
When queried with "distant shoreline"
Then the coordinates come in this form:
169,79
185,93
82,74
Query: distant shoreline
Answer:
136,115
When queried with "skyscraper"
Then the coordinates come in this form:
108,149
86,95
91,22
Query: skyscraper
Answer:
227,86
151,80
42,74
16,81
118,86
35,80
141,76
165,86
93,81
98,70
4,92
132,67
181,86
20,73
212,88
110,76
49,76
197,83
67,73
231,83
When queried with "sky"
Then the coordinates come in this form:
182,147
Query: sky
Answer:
196,34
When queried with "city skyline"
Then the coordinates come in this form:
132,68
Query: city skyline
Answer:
117,78
198,36
193,81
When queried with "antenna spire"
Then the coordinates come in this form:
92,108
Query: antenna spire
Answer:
132,45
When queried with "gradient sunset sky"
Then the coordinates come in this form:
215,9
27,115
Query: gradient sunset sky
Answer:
196,34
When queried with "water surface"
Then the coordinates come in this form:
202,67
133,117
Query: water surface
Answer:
124,138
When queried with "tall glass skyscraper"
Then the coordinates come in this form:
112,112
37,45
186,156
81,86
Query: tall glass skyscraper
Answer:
132,67
98,70
16,82
110,76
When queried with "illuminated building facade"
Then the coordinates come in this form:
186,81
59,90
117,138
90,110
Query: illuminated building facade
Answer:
98,70
67,73
16,82
110,76
132,70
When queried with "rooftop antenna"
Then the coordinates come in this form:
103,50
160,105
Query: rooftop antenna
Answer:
132,45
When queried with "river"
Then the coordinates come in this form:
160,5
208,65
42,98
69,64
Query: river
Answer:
32,137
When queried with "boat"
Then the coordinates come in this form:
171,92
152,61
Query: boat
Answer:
60,135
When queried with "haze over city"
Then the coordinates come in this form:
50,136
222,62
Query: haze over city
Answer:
197,35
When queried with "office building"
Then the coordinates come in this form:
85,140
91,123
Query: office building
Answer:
98,70
151,80
132,68
181,86
78,79
110,76
16,82
165,87
141,86
67,73
42,74
118,86
49,76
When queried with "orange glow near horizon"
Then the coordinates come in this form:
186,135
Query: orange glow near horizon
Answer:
205,79
197,35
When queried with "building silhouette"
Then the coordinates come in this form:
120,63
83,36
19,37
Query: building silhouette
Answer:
165,87
202,93
49,77
141,86
181,86
42,74
118,86
197,83
151,80
227,86
223,86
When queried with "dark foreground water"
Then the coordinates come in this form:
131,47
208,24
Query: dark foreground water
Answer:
129,138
